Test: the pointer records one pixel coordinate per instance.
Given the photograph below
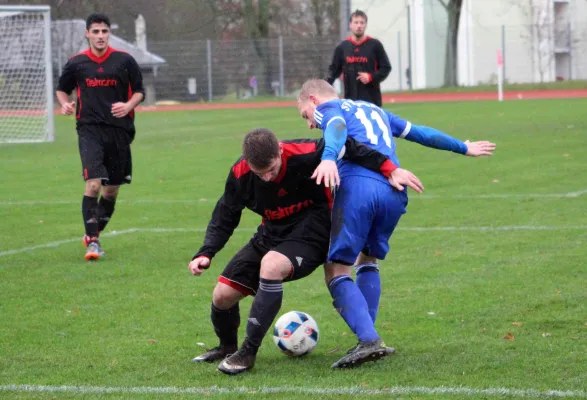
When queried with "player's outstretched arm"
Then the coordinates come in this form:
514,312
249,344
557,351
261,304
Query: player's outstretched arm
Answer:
482,148
225,218
436,139
431,137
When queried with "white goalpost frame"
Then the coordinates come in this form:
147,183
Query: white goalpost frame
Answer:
48,135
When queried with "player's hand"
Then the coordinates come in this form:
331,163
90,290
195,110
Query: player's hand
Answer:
120,109
476,149
364,77
328,171
198,265
68,108
400,177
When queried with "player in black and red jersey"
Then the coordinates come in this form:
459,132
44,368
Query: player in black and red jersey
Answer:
272,179
362,61
109,86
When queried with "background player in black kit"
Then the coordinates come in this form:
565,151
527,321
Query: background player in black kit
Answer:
272,179
109,86
363,62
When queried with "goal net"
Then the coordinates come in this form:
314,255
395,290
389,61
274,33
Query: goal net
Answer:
26,76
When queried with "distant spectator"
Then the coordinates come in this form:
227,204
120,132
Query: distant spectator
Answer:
363,62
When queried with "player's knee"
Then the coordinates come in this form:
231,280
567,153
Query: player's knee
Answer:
275,266
332,270
93,188
225,297
110,192
365,259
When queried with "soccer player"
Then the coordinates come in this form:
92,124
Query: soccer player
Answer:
109,86
272,179
370,208
363,62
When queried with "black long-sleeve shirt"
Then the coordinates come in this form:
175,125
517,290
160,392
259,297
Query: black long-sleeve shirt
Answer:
285,201
102,81
352,57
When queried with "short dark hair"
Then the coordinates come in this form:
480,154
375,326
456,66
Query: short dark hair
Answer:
358,13
260,148
97,18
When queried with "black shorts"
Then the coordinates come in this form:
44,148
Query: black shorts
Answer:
305,250
105,154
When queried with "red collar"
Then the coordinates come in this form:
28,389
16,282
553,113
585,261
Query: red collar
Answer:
100,59
365,38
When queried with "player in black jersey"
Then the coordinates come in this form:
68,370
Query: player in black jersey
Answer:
362,61
109,86
275,180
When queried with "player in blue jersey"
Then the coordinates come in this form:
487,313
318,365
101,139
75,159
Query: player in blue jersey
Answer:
366,209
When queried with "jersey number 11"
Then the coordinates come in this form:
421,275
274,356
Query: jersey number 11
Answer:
373,138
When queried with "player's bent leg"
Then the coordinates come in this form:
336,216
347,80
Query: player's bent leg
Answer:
225,318
275,267
369,282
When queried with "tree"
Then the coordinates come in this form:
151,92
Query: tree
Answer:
546,33
453,10
538,35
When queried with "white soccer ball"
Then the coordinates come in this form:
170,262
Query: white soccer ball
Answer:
295,333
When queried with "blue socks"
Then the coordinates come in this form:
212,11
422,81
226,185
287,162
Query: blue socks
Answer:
369,282
352,306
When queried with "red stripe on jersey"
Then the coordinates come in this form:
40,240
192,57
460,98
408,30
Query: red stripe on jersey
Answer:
329,196
240,169
294,149
79,100
132,112
237,286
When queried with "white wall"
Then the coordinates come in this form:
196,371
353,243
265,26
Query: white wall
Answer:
466,50
435,36
579,33
480,36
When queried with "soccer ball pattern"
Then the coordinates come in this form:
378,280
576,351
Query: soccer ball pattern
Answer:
295,333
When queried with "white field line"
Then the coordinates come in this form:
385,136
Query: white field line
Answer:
250,230
577,193
211,390
422,196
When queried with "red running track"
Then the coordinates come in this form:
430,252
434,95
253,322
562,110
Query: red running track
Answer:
387,98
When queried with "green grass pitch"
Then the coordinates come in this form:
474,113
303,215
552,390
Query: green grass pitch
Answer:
484,287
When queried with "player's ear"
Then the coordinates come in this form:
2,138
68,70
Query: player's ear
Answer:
313,99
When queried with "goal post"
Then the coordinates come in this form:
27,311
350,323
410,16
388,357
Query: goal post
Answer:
26,75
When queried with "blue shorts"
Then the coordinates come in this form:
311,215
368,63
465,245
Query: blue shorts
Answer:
365,214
